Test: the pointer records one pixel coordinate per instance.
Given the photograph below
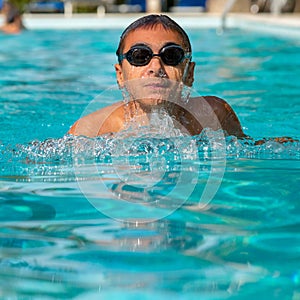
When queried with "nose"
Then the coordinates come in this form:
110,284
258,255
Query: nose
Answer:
155,67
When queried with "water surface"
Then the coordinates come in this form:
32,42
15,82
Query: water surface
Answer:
55,244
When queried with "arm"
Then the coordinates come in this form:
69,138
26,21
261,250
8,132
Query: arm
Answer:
281,140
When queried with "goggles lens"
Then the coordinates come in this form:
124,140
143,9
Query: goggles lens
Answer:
140,55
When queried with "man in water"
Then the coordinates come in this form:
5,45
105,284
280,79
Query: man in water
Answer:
12,19
155,59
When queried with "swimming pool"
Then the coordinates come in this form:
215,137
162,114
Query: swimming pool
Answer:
55,244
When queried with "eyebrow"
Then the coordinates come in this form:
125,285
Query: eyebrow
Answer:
171,44
165,45
140,44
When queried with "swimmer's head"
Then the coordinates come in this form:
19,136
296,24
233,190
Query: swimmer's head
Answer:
10,11
149,22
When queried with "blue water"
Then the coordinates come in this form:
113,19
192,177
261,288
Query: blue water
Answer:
125,218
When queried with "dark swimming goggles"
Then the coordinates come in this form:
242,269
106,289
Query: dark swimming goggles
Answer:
141,55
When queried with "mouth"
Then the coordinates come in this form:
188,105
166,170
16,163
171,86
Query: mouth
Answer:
157,83
153,88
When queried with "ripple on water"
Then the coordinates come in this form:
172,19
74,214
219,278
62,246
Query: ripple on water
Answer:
280,244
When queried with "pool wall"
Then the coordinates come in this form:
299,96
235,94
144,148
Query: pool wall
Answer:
287,25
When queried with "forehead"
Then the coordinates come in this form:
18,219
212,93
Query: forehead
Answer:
155,36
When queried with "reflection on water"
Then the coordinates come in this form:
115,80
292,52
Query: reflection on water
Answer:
54,242
103,257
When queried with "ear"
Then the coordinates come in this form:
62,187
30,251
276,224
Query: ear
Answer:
119,75
188,78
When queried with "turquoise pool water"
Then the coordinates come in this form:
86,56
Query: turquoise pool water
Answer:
55,243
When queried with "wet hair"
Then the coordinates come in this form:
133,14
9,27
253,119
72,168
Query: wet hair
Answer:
12,12
149,22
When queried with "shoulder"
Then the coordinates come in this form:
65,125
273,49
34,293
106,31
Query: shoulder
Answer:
226,116
214,102
218,105
100,121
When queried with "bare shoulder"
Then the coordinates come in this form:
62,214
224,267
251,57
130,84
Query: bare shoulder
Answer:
207,104
226,116
105,120
214,102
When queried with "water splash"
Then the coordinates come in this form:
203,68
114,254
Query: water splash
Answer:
269,149
51,156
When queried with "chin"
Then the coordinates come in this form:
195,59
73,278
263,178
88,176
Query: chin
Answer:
151,101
